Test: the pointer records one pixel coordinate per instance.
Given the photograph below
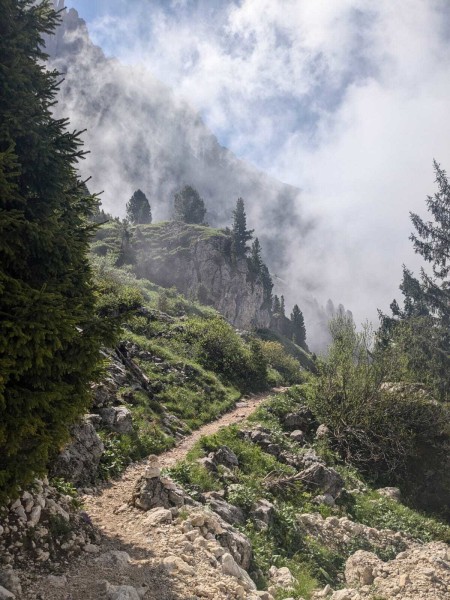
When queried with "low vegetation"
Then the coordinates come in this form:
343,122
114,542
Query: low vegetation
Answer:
284,542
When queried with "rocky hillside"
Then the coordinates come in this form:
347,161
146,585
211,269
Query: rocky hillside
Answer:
257,510
197,261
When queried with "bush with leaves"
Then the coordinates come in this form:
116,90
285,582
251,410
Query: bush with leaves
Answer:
217,347
381,428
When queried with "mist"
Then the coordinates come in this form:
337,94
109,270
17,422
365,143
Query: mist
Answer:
345,102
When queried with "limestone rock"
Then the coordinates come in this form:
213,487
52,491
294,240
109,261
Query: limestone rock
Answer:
230,567
302,419
229,513
117,418
155,492
79,461
157,516
325,479
361,567
281,578
224,456
122,592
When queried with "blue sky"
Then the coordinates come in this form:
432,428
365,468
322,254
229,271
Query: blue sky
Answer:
346,99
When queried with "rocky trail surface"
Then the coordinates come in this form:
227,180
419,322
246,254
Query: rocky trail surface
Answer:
133,558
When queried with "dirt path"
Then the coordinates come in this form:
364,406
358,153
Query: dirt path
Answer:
122,527
118,492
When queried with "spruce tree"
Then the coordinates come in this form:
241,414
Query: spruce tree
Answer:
49,343
282,307
138,209
256,261
422,326
298,327
189,207
276,307
241,235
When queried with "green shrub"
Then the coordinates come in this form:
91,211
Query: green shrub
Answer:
216,345
375,427
277,358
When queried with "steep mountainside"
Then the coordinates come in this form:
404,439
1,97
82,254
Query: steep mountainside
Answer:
141,135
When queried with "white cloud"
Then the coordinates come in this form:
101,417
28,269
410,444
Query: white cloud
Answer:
346,99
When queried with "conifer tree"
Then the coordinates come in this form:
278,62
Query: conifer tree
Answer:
276,307
422,326
138,209
49,343
267,284
282,307
241,235
255,256
189,207
298,327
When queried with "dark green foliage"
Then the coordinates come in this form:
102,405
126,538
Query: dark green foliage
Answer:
138,209
49,343
385,430
241,235
276,306
282,307
256,260
298,327
258,267
219,348
188,206
126,254
424,320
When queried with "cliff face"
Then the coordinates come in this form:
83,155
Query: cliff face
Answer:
197,261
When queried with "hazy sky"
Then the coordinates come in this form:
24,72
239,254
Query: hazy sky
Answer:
346,99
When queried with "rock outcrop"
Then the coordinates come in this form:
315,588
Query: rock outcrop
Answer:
197,261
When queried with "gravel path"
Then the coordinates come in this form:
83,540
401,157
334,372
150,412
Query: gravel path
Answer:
122,527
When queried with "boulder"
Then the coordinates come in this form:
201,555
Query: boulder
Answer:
297,436
280,578
263,512
229,513
225,456
117,418
79,461
230,567
238,545
322,432
153,492
325,479
360,568
302,419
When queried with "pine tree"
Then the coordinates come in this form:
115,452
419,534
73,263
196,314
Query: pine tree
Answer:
422,325
256,261
188,206
298,327
276,307
138,209
241,235
267,284
49,343
282,307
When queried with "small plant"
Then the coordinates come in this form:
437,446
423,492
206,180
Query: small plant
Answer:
66,489
116,455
